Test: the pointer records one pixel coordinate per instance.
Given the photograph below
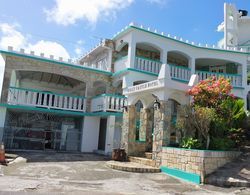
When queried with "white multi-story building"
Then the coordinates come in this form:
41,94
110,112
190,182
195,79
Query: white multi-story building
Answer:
49,103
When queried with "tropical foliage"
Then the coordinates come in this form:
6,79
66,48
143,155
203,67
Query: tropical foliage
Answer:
215,117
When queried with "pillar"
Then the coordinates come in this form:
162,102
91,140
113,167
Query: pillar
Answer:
131,54
146,128
128,129
110,134
162,125
191,65
90,133
3,111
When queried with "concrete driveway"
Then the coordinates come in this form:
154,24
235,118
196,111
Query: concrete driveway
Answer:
88,174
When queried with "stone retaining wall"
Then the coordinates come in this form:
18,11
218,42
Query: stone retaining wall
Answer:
199,162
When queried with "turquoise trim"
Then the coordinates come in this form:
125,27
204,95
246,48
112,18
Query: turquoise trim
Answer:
47,92
144,58
181,67
180,80
121,58
191,177
120,72
63,112
109,95
195,149
239,87
224,74
57,62
134,70
165,37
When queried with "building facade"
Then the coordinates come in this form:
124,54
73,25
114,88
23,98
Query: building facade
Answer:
126,92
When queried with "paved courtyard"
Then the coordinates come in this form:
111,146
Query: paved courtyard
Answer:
88,174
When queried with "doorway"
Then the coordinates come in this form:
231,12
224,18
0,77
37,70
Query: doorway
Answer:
102,134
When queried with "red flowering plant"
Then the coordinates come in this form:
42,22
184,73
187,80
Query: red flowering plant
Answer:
227,112
211,92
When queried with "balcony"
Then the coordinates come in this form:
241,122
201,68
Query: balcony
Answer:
235,79
108,103
180,73
148,65
183,74
42,99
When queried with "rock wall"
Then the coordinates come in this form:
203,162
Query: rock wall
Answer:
200,162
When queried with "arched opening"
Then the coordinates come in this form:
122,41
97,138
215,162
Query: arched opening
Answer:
148,51
138,109
45,81
177,58
207,67
99,88
217,66
173,131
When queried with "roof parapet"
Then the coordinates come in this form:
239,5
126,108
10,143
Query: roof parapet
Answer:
132,24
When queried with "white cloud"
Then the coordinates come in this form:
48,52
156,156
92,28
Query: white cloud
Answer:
160,2
51,48
67,12
11,36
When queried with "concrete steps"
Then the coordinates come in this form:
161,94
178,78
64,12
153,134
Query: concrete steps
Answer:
148,155
233,174
132,167
141,160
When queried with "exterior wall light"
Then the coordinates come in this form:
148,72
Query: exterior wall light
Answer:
157,105
125,108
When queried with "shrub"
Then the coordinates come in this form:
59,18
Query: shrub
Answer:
218,143
191,143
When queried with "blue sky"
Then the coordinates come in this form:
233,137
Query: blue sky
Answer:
72,27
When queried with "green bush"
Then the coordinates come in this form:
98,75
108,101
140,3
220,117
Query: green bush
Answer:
190,143
221,143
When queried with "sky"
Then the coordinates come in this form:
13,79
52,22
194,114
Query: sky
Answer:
69,28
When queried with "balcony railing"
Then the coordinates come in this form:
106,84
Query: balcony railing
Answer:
148,65
108,102
35,98
183,74
180,73
235,79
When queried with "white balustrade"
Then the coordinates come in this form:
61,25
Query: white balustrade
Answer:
108,102
235,79
146,86
27,97
147,65
180,73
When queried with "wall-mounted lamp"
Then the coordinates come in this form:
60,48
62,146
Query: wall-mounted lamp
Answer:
157,104
121,41
125,108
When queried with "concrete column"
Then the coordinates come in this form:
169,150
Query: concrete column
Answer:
2,70
90,133
3,111
128,129
110,134
146,128
162,125
164,57
131,54
191,65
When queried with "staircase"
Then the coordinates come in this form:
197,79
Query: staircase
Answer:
236,173
145,160
143,164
